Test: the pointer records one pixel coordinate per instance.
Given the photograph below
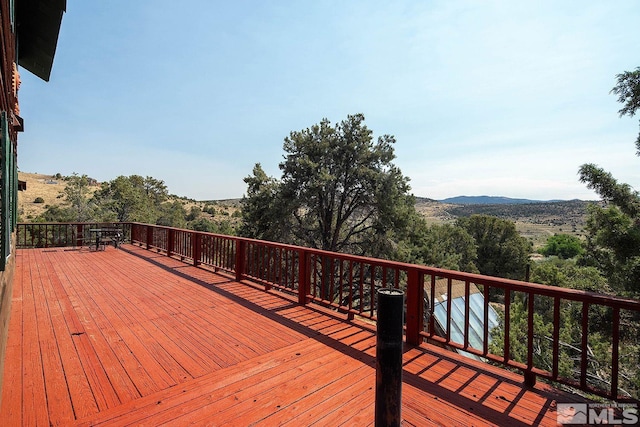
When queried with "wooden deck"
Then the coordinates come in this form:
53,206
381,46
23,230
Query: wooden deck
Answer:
131,337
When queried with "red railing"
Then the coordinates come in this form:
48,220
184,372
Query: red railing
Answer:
536,330
63,234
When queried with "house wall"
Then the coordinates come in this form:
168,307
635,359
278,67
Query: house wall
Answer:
8,104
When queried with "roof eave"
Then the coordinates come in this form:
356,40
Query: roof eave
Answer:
38,26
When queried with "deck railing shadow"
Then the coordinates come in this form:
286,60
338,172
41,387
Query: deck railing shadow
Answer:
434,355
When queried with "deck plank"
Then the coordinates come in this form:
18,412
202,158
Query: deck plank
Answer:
59,404
11,403
67,325
34,405
132,337
111,383
172,400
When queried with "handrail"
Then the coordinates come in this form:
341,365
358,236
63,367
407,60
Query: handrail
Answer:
63,234
451,308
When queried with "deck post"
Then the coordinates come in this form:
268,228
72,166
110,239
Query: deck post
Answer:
389,358
529,378
149,236
303,276
170,241
415,306
240,256
79,236
196,250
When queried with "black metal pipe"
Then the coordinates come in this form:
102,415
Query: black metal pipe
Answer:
389,358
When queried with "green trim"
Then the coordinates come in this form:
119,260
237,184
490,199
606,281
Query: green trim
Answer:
14,188
7,198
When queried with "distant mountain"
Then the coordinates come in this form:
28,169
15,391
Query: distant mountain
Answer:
490,200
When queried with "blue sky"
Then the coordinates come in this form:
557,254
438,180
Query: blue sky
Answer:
503,98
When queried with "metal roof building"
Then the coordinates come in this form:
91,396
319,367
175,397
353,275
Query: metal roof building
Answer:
458,323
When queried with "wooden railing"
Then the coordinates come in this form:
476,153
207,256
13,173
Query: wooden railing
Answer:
543,331
51,235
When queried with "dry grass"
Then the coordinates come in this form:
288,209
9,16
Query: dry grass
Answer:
50,189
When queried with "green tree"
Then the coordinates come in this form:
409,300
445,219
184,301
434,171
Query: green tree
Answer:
154,189
339,191
613,246
563,246
56,214
613,239
443,246
194,213
131,198
613,236
501,250
264,210
567,273
203,224
570,343
628,91
77,194
172,214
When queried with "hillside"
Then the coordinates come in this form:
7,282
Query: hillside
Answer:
534,220
490,200
49,188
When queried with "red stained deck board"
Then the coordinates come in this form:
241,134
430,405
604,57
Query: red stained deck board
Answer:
339,392
139,338
113,384
177,399
254,396
58,399
68,324
340,413
183,337
11,403
34,394
135,359
127,343
83,367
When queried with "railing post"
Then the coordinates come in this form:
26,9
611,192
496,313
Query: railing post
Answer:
196,250
241,247
171,236
389,358
415,306
529,376
149,236
79,235
304,279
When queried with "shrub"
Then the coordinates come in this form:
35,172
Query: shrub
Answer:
563,246
38,200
